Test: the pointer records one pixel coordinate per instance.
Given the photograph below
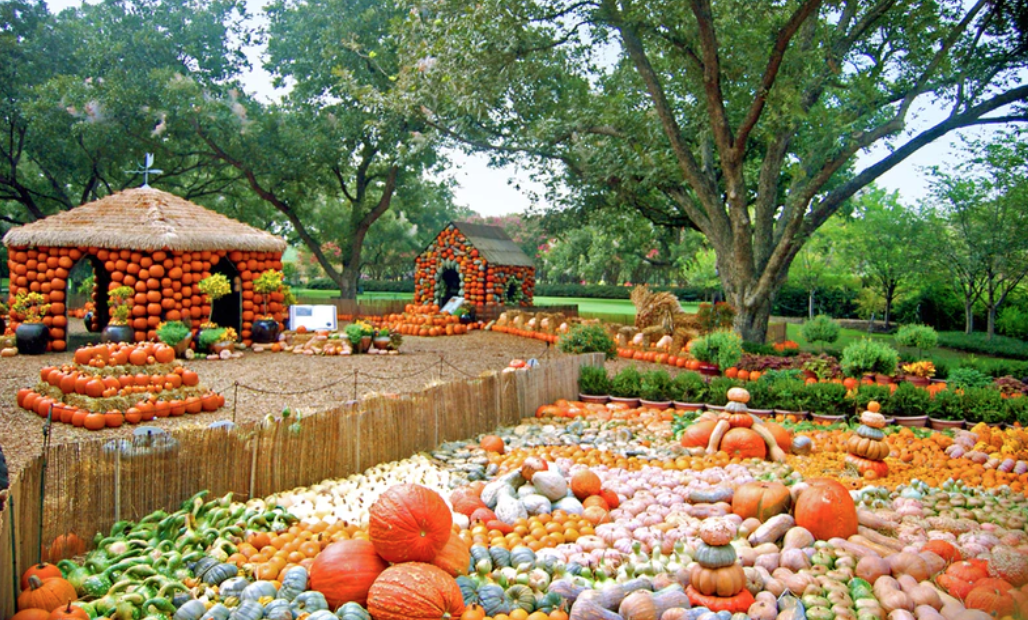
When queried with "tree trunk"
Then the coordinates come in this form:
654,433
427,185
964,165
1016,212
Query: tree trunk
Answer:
991,328
810,304
968,316
352,270
890,294
751,320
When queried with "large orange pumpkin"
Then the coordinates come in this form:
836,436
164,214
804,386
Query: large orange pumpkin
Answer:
455,556
761,500
409,523
585,483
68,612
67,546
415,591
47,594
826,510
345,570
698,435
743,443
31,614
782,437
42,570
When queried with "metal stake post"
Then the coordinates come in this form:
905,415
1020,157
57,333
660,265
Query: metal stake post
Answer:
42,479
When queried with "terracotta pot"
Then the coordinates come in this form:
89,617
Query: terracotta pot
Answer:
918,381
218,347
365,344
827,419
917,421
382,343
600,399
714,407
940,425
883,379
32,338
799,415
656,404
709,370
762,413
183,345
680,406
631,402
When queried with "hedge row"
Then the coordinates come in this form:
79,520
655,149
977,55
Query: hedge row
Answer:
978,342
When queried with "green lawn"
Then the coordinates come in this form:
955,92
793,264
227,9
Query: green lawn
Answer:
846,336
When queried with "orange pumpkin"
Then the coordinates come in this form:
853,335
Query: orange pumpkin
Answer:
409,523
42,571
345,570
69,612
826,510
782,437
67,546
991,600
47,594
761,500
415,591
455,556
743,443
698,435
585,483
943,549
492,443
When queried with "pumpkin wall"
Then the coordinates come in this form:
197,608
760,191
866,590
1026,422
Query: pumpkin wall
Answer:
481,283
164,280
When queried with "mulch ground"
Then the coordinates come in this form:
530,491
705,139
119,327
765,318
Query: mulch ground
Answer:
314,383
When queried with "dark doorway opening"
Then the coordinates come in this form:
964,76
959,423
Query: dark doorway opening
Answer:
228,311
451,285
79,293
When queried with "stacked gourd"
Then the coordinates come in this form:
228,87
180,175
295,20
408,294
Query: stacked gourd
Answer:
717,580
110,384
867,448
737,432
423,320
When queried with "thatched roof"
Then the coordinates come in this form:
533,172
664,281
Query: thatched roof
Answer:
493,244
143,219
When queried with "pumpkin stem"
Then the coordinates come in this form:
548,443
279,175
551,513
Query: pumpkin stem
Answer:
35,582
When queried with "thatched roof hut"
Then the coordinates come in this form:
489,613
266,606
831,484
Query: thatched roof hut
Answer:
143,219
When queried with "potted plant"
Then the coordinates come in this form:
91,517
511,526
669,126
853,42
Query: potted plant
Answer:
909,405
217,339
719,349
588,339
870,392
382,339
464,315
655,389
214,286
717,392
118,328
819,368
32,335
946,411
827,402
689,390
866,357
983,404
593,385
265,328
788,393
176,335
624,387
919,373
360,335
761,398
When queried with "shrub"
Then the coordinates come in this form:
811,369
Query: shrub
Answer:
983,404
1017,410
947,405
978,342
322,284
688,387
588,339
594,380
626,383
715,317
172,332
867,356
920,337
788,392
756,348
1013,322
717,392
821,328
723,348
963,378
867,393
995,367
827,398
761,396
209,337
655,385
907,401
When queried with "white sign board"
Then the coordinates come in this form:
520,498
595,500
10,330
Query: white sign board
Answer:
312,317
453,304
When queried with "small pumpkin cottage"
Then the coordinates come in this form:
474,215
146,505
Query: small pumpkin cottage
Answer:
475,261
155,242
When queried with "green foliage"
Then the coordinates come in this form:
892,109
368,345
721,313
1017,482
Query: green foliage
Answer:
1013,322
1017,410
759,348
172,332
86,286
868,356
656,385
761,395
920,337
211,336
821,328
717,391
963,378
215,286
947,405
867,393
827,399
354,333
723,348
714,317
593,380
983,404
978,342
626,384
907,401
689,387
788,391
588,339
995,367
269,281
31,306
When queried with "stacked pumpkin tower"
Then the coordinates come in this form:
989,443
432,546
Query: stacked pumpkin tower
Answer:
866,447
717,580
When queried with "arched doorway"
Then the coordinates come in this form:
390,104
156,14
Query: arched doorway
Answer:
450,285
228,311
512,291
87,282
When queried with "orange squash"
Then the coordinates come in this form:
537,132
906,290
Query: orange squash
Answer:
585,483
743,443
761,500
409,523
415,591
48,594
345,570
41,571
698,435
455,556
826,510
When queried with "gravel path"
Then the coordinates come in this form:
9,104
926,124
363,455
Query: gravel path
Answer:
418,364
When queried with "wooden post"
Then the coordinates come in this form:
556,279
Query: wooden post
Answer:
117,485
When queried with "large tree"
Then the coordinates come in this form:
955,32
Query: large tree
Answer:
742,119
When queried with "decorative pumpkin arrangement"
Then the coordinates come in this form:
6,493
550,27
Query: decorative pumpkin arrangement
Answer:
737,432
164,283
424,321
111,384
867,447
717,581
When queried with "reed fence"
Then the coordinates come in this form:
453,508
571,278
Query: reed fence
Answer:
91,485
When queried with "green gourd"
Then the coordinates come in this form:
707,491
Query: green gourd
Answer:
468,589
217,612
257,590
715,557
352,611
219,573
522,596
480,553
247,610
494,600
293,583
322,614
190,610
278,609
521,555
309,602
501,557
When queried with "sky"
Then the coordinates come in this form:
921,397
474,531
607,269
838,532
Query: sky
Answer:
495,191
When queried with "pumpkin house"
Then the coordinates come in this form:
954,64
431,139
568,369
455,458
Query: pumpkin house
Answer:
477,262
155,242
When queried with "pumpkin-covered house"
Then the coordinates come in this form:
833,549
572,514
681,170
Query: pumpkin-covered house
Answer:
477,262
155,242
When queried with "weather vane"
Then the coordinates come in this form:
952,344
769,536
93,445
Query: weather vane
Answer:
146,170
